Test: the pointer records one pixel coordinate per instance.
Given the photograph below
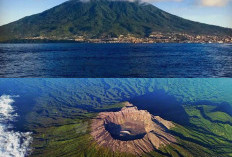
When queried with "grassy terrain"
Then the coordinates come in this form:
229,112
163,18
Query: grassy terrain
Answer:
103,18
201,137
59,112
71,139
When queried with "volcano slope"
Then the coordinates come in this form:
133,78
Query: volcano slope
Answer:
59,112
102,18
131,130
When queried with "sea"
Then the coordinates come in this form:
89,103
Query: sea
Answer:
88,60
12,143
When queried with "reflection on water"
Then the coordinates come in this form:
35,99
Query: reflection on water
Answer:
115,60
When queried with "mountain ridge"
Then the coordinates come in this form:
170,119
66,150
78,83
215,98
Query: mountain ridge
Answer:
101,19
131,130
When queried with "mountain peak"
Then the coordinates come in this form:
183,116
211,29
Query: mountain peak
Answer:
103,18
131,130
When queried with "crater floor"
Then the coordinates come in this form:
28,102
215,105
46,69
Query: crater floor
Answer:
131,130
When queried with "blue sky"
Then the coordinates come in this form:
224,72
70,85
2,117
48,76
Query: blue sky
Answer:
217,12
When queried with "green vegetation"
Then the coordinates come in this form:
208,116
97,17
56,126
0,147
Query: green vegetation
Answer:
201,137
59,112
212,138
103,18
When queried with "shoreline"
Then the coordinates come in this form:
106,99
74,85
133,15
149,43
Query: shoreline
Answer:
103,42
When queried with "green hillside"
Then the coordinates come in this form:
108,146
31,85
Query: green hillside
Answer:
103,18
59,112
201,137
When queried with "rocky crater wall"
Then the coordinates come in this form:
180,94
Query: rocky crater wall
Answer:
131,130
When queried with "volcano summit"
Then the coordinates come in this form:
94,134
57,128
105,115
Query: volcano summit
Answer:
131,130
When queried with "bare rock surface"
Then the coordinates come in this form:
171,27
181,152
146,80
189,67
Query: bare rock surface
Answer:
131,130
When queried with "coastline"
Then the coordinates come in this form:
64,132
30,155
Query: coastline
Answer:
37,41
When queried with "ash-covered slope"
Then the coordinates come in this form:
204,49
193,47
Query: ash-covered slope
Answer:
131,130
102,18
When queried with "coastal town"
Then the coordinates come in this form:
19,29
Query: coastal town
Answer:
155,37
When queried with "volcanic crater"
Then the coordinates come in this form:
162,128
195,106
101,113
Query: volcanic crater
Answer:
131,130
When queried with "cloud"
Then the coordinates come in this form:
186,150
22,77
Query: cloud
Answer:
146,1
205,3
163,0
213,3
153,1
12,144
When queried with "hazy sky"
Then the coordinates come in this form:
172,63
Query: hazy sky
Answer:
217,12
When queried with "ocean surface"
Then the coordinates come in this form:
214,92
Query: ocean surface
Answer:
115,60
12,143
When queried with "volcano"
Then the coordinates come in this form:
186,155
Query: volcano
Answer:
131,130
103,18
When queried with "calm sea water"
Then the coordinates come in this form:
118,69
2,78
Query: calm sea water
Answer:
115,60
